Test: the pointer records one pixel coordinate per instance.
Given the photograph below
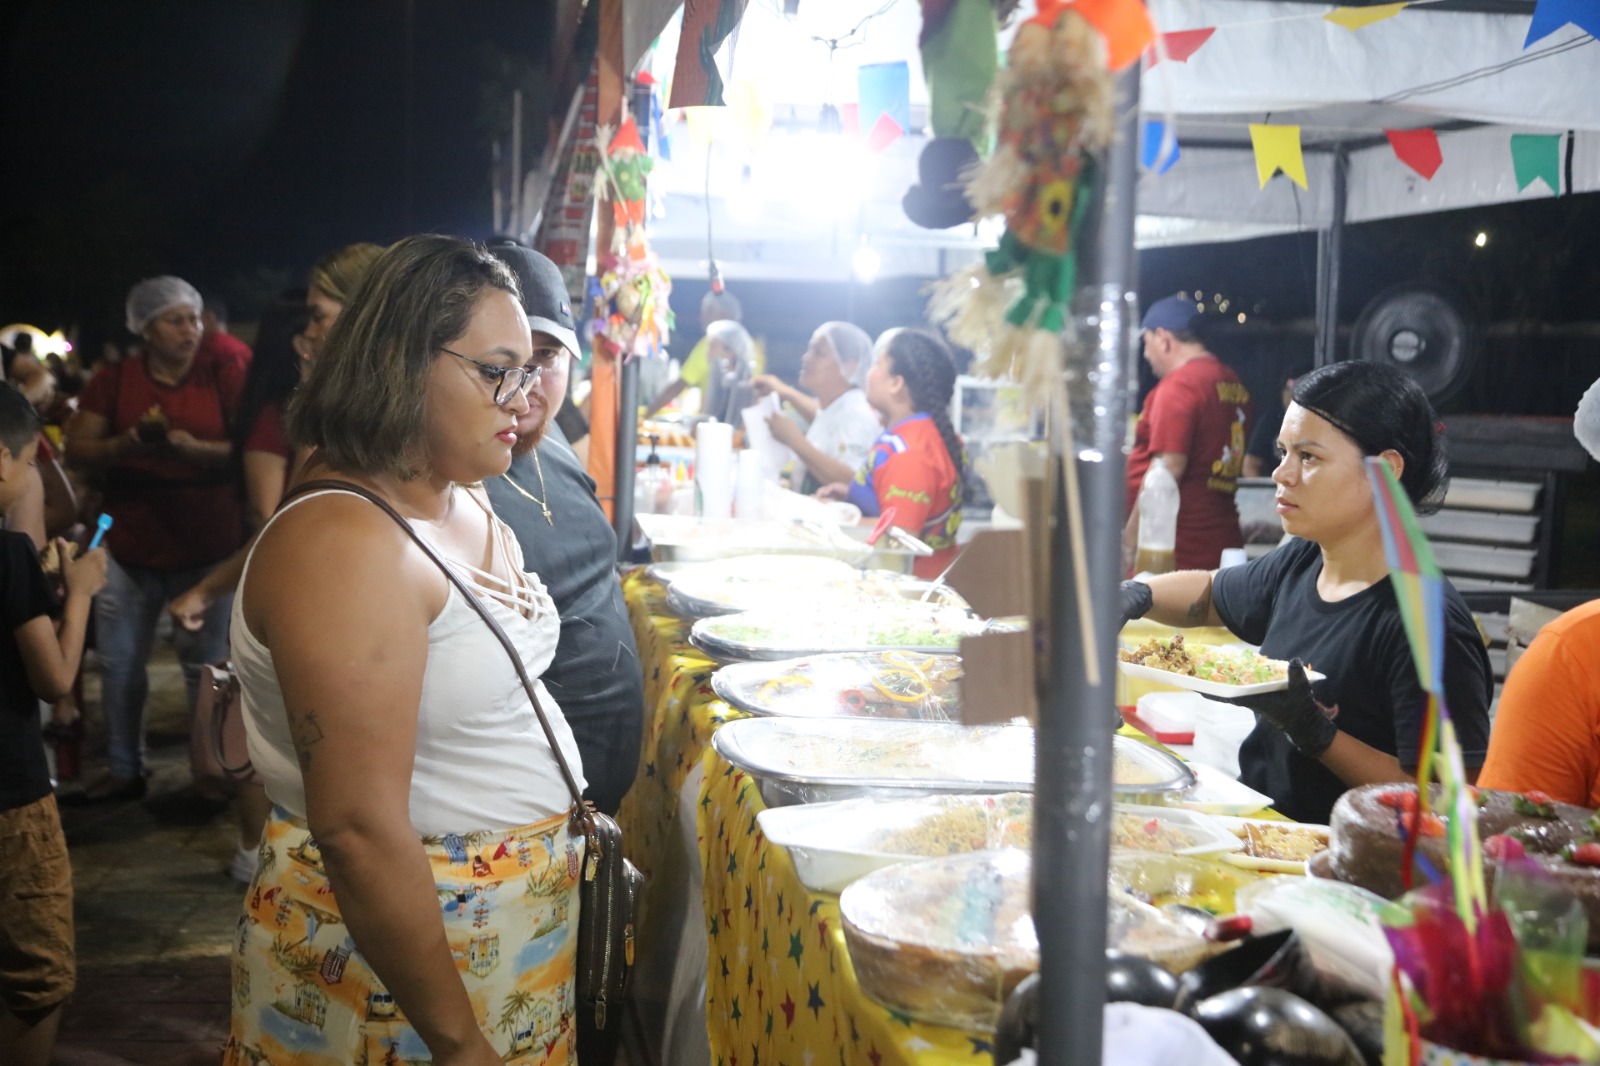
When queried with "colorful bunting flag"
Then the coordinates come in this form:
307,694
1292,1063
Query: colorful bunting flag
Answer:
706,24
1536,156
1181,44
1417,149
884,89
884,132
1278,148
1550,15
1150,151
1125,25
1419,591
1355,18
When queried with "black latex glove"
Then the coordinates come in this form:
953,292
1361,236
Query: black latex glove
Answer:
1136,600
1296,713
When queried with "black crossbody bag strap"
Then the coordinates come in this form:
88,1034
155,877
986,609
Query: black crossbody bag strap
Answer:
581,819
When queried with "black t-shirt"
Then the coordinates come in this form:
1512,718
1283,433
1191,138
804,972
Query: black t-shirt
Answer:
1360,644
25,594
595,676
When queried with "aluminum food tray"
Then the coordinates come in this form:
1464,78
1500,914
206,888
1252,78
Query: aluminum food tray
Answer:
733,683
747,743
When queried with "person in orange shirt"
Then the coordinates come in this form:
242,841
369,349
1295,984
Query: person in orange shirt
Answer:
1547,731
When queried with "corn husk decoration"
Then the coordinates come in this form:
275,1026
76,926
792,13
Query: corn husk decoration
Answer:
1052,112
631,311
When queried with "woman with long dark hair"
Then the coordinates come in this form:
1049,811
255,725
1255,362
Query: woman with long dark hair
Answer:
1325,599
917,466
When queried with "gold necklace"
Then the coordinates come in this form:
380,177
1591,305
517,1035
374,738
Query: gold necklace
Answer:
542,506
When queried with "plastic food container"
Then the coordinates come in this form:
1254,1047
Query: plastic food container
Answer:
1158,880
876,684
1215,792
943,940
785,633
1270,846
721,586
686,538
818,760
833,844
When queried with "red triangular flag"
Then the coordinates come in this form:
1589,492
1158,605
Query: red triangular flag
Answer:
1181,44
1417,149
884,132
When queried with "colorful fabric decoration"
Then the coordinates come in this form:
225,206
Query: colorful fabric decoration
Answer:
1181,44
706,24
1355,18
960,54
1054,112
1537,157
1417,149
1278,148
630,296
1550,15
885,93
1153,145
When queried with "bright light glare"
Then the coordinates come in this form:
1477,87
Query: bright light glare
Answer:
1241,318
1481,239
866,262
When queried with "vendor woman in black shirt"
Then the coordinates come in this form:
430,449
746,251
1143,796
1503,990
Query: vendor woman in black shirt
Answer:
1325,601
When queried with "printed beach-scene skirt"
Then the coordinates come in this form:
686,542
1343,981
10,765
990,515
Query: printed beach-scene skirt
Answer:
303,995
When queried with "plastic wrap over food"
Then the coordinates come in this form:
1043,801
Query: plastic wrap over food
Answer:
704,593
1160,879
943,940
832,844
815,760
1339,924
874,684
1137,928
781,633
728,584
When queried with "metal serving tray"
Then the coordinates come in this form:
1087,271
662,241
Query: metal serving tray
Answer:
797,632
683,538
817,760
894,685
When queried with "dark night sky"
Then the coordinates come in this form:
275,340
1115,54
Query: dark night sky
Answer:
235,142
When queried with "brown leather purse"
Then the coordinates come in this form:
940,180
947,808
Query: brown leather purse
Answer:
217,747
609,893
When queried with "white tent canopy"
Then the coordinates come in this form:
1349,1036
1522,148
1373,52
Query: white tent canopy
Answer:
797,203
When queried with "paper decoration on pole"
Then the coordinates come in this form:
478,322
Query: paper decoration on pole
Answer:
1535,157
1124,25
631,311
885,93
1278,148
1417,149
1550,15
1150,149
1419,591
706,24
1355,18
1181,44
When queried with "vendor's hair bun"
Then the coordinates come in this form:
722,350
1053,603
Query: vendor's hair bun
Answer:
1381,408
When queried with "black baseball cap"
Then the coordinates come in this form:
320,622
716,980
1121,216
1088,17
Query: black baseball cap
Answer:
544,293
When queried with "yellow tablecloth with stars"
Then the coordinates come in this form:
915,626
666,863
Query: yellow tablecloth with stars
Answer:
780,988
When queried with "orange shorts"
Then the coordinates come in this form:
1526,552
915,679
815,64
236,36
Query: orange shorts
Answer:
37,969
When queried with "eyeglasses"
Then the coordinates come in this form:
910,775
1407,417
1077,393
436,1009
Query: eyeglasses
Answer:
507,380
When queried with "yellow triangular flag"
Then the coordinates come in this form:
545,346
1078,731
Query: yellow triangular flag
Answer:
1278,148
1354,18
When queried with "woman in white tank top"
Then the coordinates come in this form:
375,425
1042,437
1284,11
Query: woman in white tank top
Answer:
417,893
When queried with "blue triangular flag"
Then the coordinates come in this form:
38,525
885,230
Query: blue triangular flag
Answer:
1550,15
1150,152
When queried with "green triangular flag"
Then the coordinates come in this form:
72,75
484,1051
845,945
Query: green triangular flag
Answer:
1534,156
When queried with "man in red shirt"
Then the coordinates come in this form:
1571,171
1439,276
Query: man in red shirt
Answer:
1196,420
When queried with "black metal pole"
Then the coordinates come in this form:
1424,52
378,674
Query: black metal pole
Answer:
1330,248
1072,787
627,448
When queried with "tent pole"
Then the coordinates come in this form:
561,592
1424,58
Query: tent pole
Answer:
1330,248
627,436
1072,781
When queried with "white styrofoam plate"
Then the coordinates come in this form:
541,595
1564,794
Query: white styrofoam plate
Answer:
1252,862
1217,793
1201,685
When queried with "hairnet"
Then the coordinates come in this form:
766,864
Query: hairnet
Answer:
1586,423
152,296
852,347
736,339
